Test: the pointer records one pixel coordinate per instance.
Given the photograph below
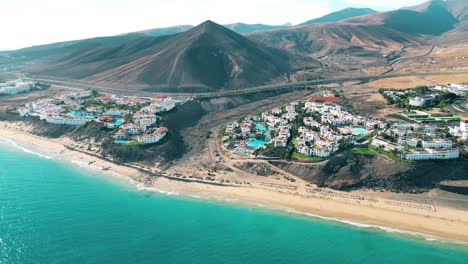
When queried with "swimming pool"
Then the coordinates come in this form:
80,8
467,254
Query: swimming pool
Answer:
118,122
255,143
260,127
359,131
79,114
124,142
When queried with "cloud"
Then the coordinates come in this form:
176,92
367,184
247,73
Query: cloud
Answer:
32,22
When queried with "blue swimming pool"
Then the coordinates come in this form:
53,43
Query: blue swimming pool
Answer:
124,142
118,122
79,114
359,131
260,127
255,143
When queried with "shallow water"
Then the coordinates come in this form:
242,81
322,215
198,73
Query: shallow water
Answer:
51,212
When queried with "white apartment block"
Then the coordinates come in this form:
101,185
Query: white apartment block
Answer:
460,131
62,120
437,144
432,154
14,87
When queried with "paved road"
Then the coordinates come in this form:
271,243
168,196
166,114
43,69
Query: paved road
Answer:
273,87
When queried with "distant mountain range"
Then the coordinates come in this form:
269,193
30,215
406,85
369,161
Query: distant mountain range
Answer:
212,57
340,15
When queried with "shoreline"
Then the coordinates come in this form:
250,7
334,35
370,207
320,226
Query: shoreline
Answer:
444,224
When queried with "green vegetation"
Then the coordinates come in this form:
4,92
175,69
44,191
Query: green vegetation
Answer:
425,118
389,155
363,151
401,98
133,143
366,137
298,155
40,86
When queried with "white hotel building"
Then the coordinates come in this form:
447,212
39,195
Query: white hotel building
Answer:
460,131
432,154
155,137
65,120
437,144
14,87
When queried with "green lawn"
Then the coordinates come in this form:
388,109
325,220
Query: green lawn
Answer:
134,143
390,155
363,151
431,118
298,155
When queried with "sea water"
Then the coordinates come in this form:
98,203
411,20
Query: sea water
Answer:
55,212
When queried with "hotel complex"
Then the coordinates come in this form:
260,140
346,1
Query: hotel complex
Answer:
15,87
320,126
134,118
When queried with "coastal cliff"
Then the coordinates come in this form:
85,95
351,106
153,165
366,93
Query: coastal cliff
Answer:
351,171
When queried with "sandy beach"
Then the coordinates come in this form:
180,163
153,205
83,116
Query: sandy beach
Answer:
422,215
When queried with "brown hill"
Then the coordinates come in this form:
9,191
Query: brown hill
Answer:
206,57
380,32
431,18
337,38
459,35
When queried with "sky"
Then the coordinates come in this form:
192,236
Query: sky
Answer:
26,23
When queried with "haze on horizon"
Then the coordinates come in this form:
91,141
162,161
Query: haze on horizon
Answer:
28,22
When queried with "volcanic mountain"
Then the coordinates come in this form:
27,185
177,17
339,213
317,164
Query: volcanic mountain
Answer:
240,28
207,57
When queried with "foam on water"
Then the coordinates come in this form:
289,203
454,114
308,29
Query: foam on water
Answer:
16,145
97,170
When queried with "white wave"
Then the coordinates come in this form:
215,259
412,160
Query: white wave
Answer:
16,145
428,237
142,187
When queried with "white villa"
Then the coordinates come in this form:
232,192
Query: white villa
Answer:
154,137
422,101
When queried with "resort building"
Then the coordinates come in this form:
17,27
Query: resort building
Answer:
65,120
154,137
412,142
460,131
437,143
147,121
244,151
14,87
422,101
458,89
432,154
323,104
387,145
121,135
82,94
23,111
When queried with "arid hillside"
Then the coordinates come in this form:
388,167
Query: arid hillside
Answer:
207,57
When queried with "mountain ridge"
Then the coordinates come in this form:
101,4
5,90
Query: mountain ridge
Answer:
339,15
208,56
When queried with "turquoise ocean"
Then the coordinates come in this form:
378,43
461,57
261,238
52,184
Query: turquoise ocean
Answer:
55,212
